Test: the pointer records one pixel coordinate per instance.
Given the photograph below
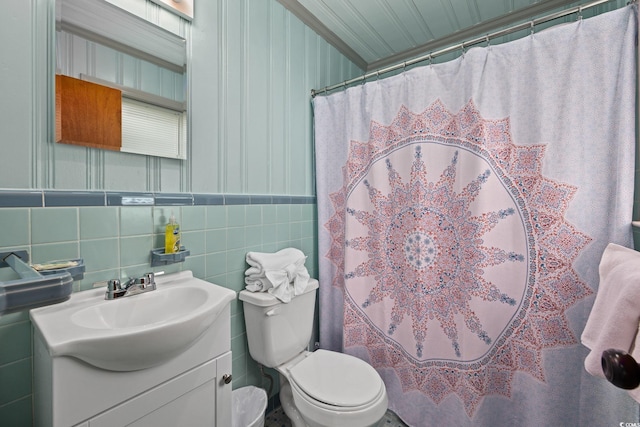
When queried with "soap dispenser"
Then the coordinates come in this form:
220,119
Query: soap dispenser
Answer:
172,236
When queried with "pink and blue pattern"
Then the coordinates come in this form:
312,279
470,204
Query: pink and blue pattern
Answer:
454,254
463,208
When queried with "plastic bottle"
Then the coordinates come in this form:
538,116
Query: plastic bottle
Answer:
172,236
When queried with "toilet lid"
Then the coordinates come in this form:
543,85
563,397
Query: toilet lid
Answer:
336,379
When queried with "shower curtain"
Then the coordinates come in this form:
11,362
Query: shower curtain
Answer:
463,208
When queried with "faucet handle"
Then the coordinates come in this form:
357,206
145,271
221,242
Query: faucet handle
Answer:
149,280
114,285
144,280
114,289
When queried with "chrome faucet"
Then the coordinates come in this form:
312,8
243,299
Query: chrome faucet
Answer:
132,286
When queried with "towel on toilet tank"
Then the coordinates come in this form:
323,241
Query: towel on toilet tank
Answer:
282,274
615,316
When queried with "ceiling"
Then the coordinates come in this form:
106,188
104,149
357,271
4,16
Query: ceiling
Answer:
377,33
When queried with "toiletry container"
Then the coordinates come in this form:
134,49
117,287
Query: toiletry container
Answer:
172,236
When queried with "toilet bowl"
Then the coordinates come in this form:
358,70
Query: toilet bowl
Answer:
333,389
317,389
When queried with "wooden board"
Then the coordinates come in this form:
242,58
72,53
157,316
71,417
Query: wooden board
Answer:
88,114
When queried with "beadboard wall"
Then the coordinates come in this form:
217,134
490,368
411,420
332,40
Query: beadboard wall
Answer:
252,67
248,182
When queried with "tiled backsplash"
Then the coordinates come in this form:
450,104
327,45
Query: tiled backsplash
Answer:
115,241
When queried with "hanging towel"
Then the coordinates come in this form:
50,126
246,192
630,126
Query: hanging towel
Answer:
615,316
282,274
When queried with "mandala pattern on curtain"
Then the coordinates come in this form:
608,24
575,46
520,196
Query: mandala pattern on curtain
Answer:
454,253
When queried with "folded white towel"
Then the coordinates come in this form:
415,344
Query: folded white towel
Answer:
260,262
615,316
282,274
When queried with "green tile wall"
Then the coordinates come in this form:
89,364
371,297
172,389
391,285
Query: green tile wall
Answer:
116,241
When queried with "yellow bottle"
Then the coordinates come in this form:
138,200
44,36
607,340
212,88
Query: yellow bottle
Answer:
172,236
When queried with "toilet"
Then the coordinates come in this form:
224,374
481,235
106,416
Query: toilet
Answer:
317,389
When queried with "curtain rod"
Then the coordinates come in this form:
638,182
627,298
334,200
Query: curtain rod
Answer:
465,44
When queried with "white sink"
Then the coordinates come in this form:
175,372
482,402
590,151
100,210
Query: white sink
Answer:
134,332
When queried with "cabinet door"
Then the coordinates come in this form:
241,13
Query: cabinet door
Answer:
223,395
187,400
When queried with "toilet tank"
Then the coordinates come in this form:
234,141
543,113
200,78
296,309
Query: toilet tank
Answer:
278,331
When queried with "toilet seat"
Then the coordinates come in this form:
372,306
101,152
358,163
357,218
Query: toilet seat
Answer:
336,381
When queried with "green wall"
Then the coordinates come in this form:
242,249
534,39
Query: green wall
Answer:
253,65
117,240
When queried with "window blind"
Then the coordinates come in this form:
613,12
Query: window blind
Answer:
152,130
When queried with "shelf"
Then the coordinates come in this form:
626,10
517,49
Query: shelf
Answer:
76,271
36,288
158,257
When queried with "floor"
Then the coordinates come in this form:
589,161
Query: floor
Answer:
277,418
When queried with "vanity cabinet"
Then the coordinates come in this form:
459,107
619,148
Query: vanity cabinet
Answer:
187,400
188,390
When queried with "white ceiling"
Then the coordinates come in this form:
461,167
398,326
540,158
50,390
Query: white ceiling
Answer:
377,33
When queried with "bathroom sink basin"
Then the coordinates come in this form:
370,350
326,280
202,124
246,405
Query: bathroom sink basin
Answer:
155,308
134,332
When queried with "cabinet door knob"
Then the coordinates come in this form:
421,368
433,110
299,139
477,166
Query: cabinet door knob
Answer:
226,378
